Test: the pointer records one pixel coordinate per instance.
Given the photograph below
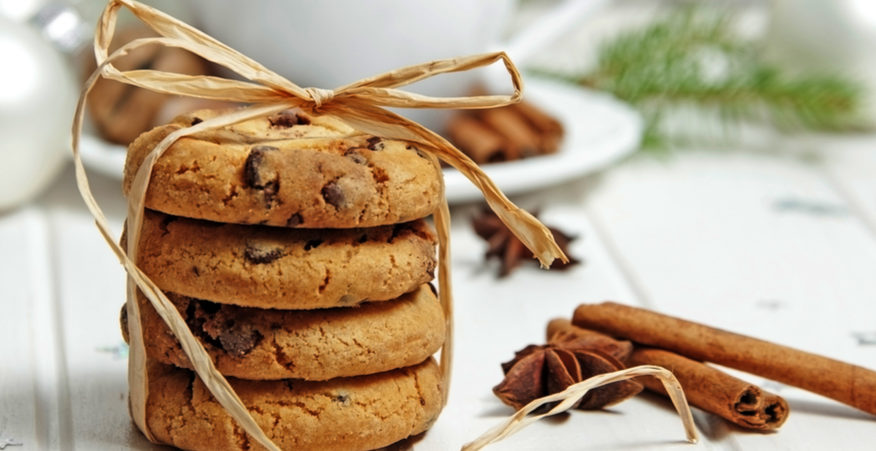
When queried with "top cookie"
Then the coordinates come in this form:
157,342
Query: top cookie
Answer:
289,169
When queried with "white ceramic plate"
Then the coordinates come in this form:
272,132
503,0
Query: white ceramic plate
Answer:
102,156
599,131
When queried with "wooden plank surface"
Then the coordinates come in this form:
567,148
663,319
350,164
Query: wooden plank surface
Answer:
28,380
850,166
91,286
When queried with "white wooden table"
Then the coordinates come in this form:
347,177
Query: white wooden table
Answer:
779,244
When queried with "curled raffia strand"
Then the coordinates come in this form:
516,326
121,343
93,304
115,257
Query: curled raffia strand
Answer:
567,398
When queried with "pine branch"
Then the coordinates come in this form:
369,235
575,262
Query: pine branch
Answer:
693,59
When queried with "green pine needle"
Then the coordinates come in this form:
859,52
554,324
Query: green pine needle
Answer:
690,59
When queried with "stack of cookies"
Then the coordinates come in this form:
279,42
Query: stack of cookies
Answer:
296,250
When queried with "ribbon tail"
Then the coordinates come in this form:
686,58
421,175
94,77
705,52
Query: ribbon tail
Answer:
445,291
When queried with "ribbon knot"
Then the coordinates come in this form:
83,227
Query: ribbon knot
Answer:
319,96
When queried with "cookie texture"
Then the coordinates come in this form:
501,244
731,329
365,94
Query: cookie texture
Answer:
322,344
356,413
290,169
274,267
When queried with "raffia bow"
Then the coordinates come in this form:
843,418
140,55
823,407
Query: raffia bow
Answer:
360,104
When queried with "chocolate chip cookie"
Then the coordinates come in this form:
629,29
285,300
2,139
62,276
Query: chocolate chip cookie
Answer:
275,267
355,413
322,344
291,169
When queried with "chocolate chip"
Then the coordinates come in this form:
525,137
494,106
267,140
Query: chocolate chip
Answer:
259,253
196,120
210,308
257,174
239,340
375,143
196,271
286,119
312,244
294,220
195,321
333,194
191,308
254,168
123,321
353,154
165,223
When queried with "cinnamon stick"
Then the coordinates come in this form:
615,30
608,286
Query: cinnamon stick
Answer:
850,384
522,140
509,133
706,387
549,130
478,141
715,391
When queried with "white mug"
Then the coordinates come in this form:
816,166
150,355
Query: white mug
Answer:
329,43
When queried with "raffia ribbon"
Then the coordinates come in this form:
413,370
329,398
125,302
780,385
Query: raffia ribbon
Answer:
360,104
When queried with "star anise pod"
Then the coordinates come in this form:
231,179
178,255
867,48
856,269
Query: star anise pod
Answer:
510,251
537,371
